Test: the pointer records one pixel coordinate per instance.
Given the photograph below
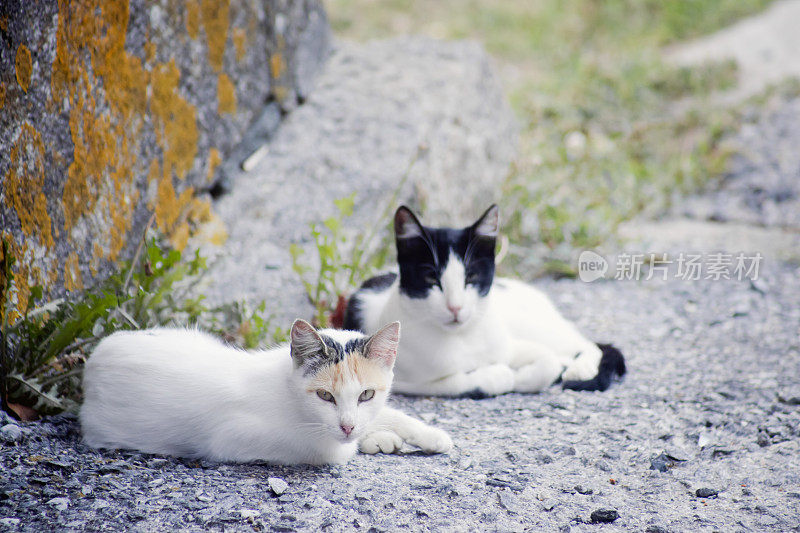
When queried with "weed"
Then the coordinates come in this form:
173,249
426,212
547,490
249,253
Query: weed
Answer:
344,258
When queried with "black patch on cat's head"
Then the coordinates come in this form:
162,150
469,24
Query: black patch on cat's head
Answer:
423,252
311,350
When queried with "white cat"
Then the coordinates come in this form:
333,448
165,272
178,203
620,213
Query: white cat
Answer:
185,393
468,334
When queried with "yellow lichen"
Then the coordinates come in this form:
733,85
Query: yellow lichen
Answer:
107,140
24,185
214,14
276,65
23,66
214,159
175,118
2,94
97,255
239,39
192,18
72,273
226,95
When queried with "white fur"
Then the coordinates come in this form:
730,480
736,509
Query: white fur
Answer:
184,393
513,339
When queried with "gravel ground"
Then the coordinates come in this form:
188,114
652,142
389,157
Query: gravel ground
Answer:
711,399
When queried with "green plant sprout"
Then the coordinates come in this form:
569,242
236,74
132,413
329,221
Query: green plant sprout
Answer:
345,256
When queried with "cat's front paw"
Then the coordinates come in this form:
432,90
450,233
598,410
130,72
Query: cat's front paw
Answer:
383,441
494,379
580,369
435,441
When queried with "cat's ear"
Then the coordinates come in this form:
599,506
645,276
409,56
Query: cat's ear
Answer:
406,224
383,345
305,343
489,223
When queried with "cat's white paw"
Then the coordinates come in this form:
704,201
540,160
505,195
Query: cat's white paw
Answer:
383,441
435,441
494,379
580,369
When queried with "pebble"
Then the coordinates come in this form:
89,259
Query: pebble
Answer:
706,493
655,529
277,485
604,516
9,522
11,433
59,503
508,501
248,513
580,489
789,396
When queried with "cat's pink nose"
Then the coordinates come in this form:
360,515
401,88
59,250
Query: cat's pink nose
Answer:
346,429
454,309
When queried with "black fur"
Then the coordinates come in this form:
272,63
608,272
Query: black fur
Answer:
332,353
475,394
379,283
612,364
353,318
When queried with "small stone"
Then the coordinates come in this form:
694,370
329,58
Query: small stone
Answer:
604,516
508,501
663,462
86,490
156,482
655,529
789,396
706,493
580,489
767,520
548,504
10,523
277,485
11,433
59,503
249,513
203,496
157,462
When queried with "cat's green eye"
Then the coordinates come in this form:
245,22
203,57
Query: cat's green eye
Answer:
472,278
325,395
431,280
366,395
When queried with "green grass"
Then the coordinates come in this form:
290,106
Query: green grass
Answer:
608,129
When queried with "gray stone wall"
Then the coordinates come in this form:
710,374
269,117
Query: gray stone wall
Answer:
113,112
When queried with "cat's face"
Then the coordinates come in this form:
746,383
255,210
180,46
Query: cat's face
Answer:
345,376
445,273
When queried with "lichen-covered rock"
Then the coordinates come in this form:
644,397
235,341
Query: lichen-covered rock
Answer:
112,111
430,110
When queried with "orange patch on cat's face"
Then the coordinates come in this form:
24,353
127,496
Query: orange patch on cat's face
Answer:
332,378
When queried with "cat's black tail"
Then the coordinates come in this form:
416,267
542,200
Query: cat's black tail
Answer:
612,364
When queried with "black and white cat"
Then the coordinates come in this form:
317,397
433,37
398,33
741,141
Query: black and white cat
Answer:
467,333
313,400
